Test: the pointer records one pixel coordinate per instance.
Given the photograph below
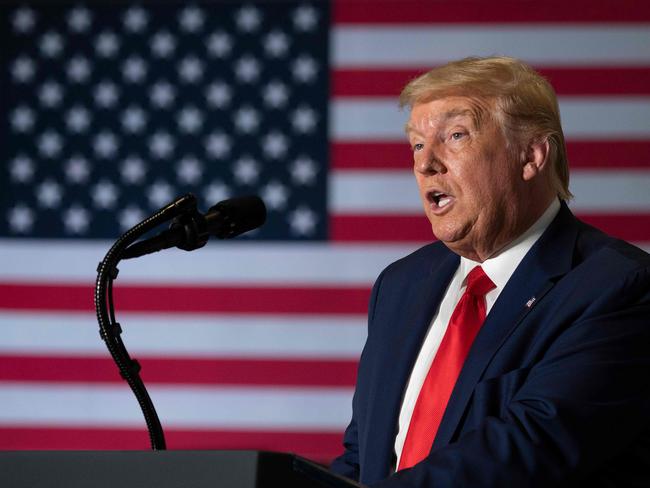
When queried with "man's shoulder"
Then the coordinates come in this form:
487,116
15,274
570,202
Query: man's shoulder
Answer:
421,261
594,247
611,271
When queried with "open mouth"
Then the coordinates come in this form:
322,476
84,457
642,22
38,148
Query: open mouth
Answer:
439,199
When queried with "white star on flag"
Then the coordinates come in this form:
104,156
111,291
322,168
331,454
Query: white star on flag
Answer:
105,144
134,69
302,221
303,119
106,94
77,169
275,195
79,19
107,44
130,217
190,119
247,119
305,18
51,44
246,170
189,170
276,43
161,145
133,170
275,145
134,119
218,94
78,69
76,219
304,69
23,69
162,94
21,169
77,119
190,69
136,19
215,192
275,94
248,19
50,144
218,145
49,194
22,119
219,44
23,20
50,94
247,69
21,218
192,19
163,44
303,170
104,194
159,194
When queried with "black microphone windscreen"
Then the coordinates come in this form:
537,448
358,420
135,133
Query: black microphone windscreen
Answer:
235,216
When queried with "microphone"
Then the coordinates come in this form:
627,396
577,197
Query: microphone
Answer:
191,230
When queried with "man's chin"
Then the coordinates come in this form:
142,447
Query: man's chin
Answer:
458,243
448,235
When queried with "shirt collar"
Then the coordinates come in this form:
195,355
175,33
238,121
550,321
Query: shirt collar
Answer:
499,268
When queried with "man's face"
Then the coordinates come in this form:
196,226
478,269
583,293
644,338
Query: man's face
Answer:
469,177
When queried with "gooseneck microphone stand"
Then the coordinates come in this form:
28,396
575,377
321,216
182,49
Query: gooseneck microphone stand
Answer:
109,328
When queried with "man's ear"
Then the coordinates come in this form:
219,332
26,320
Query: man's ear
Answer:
535,158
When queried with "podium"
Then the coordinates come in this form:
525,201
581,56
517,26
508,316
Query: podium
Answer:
164,469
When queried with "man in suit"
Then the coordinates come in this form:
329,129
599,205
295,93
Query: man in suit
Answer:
515,351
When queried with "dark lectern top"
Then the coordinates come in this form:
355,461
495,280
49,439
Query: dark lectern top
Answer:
163,469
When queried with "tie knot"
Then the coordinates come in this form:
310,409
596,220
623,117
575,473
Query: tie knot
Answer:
478,283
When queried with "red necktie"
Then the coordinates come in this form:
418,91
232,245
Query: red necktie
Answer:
464,324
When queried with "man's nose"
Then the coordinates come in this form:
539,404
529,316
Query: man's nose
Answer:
429,164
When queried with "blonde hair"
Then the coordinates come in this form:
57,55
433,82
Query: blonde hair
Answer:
525,102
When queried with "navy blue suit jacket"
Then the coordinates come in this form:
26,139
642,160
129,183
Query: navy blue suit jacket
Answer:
555,390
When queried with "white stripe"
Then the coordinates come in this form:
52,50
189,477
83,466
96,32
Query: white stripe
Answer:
553,45
218,262
200,336
387,192
380,119
374,192
69,405
610,191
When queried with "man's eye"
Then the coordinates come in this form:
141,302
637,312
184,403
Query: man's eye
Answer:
457,135
418,147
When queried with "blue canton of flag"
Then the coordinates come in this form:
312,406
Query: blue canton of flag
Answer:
110,112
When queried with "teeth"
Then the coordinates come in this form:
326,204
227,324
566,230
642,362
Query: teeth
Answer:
443,202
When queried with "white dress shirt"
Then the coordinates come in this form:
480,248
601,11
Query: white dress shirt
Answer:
499,268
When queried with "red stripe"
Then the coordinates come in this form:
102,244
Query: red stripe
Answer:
406,228
582,154
319,445
589,81
184,299
629,227
480,11
380,228
265,372
609,154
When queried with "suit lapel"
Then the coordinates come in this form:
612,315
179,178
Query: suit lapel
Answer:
400,349
538,272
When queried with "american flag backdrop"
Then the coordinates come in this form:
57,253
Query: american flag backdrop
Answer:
110,110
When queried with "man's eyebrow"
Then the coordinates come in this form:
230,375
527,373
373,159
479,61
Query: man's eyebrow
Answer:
408,128
446,116
459,112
